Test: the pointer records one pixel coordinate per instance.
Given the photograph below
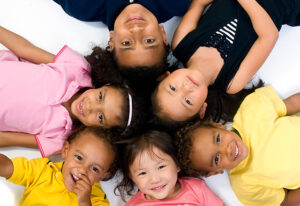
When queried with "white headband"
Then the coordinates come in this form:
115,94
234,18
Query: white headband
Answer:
130,110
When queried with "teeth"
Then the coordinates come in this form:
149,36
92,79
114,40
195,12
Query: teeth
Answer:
236,151
76,178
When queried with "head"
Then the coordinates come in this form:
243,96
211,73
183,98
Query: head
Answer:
89,154
180,96
148,160
208,148
138,41
107,107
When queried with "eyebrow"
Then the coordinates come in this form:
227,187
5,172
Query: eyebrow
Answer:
147,47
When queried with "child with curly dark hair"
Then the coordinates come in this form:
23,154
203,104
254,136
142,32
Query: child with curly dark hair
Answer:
44,96
261,151
89,156
149,162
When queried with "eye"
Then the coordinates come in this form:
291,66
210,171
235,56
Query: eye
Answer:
100,96
188,101
126,43
78,157
218,139
149,41
217,159
172,88
95,169
100,117
161,167
142,173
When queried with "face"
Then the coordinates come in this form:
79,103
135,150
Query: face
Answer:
216,149
87,156
181,94
99,107
155,174
137,38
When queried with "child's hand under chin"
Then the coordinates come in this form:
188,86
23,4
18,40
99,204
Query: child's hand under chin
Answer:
83,189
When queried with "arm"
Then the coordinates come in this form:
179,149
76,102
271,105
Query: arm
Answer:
267,36
292,104
189,21
6,167
23,48
292,198
8,139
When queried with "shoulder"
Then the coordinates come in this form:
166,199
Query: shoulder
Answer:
138,198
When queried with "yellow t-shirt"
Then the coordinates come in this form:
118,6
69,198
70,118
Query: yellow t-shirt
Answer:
273,140
44,185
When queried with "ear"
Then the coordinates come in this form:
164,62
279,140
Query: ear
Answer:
163,76
208,174
164,35
65,150
111,40
178,169
218,125
202,110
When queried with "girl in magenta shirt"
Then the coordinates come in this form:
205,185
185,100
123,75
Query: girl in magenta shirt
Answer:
149,162
44,95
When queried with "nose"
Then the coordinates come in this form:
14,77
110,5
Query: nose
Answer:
154,177
82,170
186,86
228,150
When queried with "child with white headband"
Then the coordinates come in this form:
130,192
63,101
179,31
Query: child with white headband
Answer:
43,96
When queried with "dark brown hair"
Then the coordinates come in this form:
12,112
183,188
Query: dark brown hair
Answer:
131,148
100,133
184,143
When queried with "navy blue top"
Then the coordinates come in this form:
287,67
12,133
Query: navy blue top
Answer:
108,10
227,27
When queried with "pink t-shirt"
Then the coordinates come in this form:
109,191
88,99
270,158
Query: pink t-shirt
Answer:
194,192
31,96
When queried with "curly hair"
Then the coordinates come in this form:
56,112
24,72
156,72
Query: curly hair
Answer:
221,107
104,72
103,134
184,142
132,148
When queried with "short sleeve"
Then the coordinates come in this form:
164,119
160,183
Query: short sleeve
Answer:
255,195
67,55
264,105
203,191
27,171
98,197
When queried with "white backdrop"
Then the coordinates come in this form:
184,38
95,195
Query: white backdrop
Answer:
44,23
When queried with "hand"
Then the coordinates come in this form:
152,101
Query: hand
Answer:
83,189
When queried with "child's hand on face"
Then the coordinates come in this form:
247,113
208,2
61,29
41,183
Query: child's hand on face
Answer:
83,189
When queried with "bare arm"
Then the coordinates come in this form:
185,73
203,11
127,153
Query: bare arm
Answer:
189,21
260,50
6,166
8,139
23,48
292,198
292,104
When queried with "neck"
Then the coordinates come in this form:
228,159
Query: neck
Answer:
208,62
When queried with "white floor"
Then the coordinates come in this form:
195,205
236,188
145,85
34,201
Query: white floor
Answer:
45,24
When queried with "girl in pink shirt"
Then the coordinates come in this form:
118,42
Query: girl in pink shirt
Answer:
149,162
44,95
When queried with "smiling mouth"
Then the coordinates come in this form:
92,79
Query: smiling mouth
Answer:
236,152
193,81
159,188
74,178
79,108
135,19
